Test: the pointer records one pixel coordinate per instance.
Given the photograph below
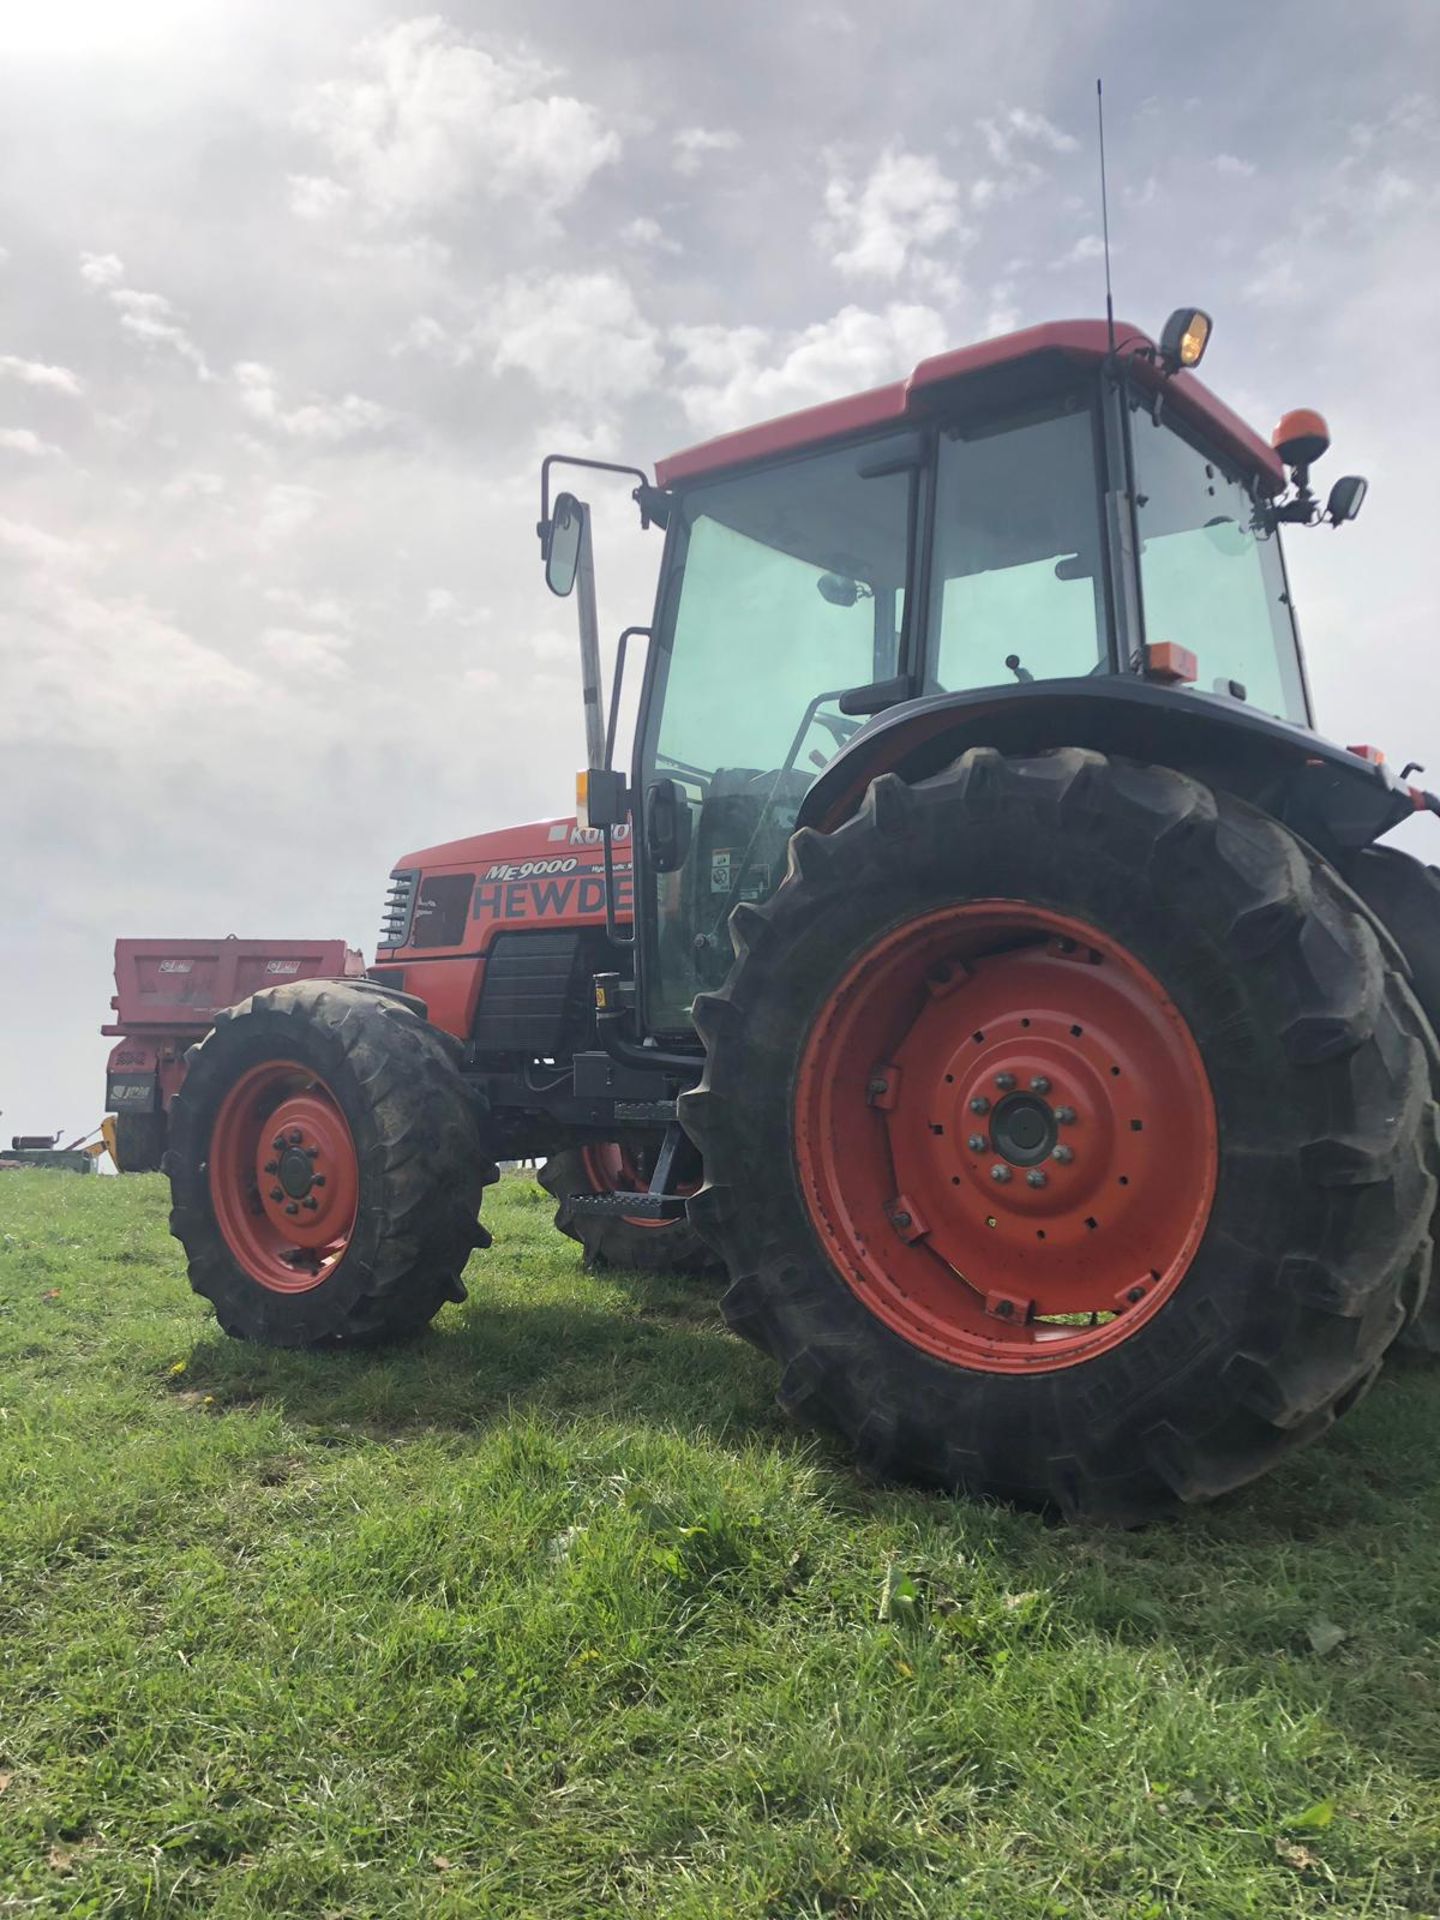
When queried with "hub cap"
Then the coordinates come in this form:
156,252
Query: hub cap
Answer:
284,1177
1005,1137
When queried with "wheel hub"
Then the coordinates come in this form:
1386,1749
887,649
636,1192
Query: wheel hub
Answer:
1024,1130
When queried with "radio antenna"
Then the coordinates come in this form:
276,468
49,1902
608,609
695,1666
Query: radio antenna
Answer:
1105,213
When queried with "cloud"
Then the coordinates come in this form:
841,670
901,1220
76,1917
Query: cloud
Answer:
693,143
306,654
22,440
35,373
580,334
315,196
325,422
644,232
101,269
147,317
428,123
320,610
731,376
1018,143
284,510
1231,164
1088,247
878,231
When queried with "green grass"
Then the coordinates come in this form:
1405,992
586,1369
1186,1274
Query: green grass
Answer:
550,1615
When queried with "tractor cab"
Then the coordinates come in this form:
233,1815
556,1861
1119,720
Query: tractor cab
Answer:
1058,506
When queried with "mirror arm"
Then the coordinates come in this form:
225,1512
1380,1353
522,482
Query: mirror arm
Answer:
594,466
589,646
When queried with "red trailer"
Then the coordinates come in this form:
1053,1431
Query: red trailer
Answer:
168,993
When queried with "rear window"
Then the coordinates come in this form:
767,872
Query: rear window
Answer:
441,910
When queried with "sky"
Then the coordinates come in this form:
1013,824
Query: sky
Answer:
293,299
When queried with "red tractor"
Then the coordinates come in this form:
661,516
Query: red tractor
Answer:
1003,981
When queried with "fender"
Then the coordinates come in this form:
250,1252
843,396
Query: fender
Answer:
1330,796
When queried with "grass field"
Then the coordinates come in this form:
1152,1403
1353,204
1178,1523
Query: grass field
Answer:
551,1615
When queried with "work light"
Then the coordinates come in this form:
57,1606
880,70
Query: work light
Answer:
1184,339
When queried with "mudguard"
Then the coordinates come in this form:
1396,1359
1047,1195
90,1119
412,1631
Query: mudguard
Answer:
1324,792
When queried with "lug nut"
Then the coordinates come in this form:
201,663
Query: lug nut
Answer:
312,1205
1063,1154
979,1104
1005,1081
296,1136
977,1143
1039,1084
291,1207
277,1193
901,1219
1035,1178
312,1153
272,1166
278,1142
317,1180
1065,1115
1135,1295
1000,1173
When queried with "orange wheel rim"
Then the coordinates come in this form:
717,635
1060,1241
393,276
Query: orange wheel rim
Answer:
1005,1137
284,1176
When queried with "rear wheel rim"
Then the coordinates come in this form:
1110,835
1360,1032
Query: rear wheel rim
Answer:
1005,1137
284,1176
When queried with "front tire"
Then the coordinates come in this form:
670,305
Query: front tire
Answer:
1179,1304
326,1168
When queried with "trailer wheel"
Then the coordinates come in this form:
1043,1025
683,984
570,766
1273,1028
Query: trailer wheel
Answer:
326,1168
140,1141
1404,895
644,1246
1068,1136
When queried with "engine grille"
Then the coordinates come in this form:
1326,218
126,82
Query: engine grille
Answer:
399,908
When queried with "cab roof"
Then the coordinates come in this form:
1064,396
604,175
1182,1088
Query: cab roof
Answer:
1085,342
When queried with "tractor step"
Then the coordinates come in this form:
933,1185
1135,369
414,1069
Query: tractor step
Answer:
634,1206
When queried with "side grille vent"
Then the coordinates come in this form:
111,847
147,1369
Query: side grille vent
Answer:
399,908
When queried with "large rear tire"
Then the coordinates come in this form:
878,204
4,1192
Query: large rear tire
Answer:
1156,998
326,1168
1404,895
643,1246
140,1141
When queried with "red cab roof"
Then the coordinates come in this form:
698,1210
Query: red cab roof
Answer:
1087,342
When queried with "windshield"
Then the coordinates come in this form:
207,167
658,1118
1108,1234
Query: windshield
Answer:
792,591
1211,574
1017,560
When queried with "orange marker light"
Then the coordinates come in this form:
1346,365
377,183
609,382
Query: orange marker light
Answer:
1173,665
1375,755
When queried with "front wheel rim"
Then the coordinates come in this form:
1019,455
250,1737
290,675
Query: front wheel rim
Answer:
1005,1137
284,1177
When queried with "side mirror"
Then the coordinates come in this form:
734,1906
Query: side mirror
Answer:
1347,496
667,825
562,544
